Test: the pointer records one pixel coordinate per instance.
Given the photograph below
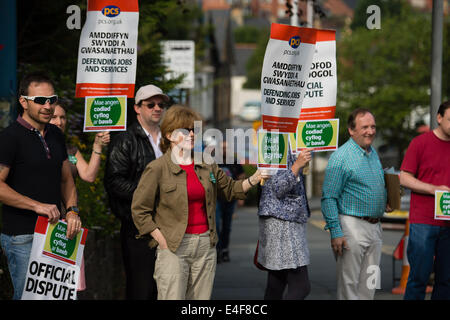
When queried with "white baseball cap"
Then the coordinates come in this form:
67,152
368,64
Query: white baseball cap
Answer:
149,91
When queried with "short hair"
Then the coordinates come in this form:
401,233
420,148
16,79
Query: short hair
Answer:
27,80
443,107
33,77
176,117
351,124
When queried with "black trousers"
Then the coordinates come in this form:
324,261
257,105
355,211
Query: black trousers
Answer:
139,262
296,280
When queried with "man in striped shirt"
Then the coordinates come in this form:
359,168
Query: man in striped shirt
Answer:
353,201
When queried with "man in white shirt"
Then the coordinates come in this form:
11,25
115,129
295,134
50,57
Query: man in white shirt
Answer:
149,106
128,154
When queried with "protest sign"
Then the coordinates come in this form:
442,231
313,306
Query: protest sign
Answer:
318,135
293,142
442,205
54,267
105,113
286,66
320,97
107,53
272,150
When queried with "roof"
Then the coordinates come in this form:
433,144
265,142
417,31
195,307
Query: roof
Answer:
215,5
338,8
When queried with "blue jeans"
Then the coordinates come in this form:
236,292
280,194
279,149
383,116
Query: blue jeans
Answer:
428,244
17,250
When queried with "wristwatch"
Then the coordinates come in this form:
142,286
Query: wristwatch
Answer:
73,209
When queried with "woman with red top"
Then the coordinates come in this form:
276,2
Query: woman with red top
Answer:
175,203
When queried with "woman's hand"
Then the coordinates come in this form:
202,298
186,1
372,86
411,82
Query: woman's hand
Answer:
101,139
256,178
260,175
303,158
158,236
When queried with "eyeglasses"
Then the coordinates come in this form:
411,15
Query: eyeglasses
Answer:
184,130
151,105
42,99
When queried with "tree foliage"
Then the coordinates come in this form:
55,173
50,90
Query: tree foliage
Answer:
255,62
388,8
387,71
247,34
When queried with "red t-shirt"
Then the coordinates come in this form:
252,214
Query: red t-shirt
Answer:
197,220
428,159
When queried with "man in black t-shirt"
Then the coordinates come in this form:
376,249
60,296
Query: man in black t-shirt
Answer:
34,176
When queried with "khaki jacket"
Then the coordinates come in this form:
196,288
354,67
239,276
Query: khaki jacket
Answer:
160,200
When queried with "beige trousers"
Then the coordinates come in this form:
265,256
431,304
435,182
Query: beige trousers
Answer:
187,274
358,268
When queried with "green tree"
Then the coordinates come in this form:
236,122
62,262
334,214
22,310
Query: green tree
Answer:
387,71
388,8
247,34
255,62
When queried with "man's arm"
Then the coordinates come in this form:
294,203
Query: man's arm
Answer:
117,178
12,198
335,178
68,190
409,181
69,195
333,185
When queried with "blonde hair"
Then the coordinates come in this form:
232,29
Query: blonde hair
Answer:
176,117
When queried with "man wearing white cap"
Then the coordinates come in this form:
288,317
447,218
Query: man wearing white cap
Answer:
128,155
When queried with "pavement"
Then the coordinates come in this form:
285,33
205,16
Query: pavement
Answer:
239,279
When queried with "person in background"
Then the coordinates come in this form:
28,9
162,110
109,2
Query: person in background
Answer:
128,155
225,209
78,166
425,169
87,171
175,204
282,246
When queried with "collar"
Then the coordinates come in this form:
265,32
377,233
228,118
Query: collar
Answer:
175,168
148,134
24,123
138,130
172,166
357,148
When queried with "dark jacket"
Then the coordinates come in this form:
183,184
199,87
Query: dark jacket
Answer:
128,154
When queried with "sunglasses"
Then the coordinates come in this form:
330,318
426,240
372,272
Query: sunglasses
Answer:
187,129
42,100
151,105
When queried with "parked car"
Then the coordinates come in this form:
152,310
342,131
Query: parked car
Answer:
251,111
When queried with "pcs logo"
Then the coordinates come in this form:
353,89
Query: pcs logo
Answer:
111,11
294,42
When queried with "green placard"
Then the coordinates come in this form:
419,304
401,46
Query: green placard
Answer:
272,149
442,205
105,113
318,135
